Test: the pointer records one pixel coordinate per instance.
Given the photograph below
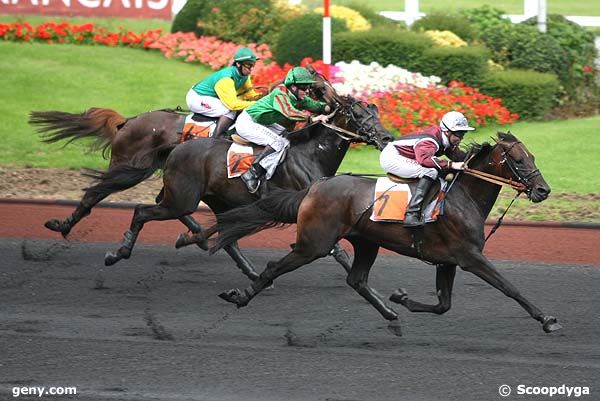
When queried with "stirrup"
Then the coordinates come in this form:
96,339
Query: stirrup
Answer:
418,221
251,180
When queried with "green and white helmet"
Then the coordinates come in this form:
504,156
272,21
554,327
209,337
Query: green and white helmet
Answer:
298,75
244,54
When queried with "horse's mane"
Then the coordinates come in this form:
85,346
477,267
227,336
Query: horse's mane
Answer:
476,150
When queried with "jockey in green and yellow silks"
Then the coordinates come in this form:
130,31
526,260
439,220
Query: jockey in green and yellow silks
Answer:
226,92
261,123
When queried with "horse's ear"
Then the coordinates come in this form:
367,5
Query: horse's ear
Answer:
374,109
310,69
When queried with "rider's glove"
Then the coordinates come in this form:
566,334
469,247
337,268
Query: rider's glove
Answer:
320,118
457,165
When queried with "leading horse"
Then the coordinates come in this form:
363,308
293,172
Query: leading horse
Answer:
340,207
197,171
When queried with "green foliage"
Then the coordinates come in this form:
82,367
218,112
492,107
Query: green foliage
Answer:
465,64
528,93
244,21
303,37
485,17
523,46
187,18
400,48
577,42
455,23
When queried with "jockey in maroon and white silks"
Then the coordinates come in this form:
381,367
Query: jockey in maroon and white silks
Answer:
417,155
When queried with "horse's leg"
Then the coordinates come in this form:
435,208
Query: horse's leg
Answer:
484,269
365,253
196,238
444,281
303,253
341,256
242,262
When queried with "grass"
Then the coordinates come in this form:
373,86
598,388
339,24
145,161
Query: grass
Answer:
73,79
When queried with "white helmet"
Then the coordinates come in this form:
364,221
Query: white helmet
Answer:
455,121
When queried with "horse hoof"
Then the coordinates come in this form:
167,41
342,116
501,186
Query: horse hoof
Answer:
58,226
111,258
234,296
181,241
395,328
399,296
551,324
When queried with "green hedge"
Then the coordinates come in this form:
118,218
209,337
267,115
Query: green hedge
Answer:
455,23
303,37
186,20
465,64
529,93
400,48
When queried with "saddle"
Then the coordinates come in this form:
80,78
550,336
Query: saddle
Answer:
193,126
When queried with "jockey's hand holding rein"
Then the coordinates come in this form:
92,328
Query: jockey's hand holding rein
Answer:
457,165
320,118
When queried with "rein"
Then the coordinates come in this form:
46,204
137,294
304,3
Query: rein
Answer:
517,186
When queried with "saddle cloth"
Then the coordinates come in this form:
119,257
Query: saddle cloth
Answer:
194,126
239,159
391,199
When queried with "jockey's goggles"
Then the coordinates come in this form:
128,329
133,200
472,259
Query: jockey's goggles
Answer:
303,87
459,134
248,65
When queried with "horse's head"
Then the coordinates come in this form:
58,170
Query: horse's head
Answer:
362,119
513,160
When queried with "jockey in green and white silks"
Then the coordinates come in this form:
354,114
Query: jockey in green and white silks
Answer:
261,122
225,92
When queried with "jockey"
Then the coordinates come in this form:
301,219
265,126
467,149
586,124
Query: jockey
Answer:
415,155
225,92
261,122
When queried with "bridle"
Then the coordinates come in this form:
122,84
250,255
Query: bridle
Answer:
523,183
365,127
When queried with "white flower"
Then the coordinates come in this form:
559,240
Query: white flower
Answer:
361,80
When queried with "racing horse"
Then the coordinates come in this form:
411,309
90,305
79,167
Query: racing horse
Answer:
196,171
340,207
126,141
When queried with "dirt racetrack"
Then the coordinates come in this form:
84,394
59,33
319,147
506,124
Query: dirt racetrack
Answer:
152,327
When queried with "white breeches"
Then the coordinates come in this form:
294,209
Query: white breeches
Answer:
262,135
208,105
392,162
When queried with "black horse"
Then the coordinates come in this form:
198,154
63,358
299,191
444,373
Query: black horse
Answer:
340,207
126,141
196,171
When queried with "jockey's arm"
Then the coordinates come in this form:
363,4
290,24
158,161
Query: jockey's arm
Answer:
312,105
247,91
425,155
283,105
225,89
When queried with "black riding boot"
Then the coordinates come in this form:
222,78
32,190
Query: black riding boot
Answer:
223,124
413,217
253,177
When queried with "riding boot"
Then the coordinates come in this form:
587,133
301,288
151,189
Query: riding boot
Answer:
413,216
253,177
223,124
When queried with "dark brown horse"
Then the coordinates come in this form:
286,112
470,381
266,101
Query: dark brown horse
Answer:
340,207
196,171
127,141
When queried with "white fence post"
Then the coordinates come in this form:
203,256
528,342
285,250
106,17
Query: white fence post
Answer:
541,16
411,11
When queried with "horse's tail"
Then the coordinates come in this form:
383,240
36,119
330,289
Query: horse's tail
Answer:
125,176
102,124
279,208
